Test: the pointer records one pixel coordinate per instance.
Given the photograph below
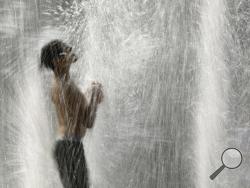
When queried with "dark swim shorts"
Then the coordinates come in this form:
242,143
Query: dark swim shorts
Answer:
71,163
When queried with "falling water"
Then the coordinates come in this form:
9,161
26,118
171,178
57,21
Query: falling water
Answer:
213,90
176,78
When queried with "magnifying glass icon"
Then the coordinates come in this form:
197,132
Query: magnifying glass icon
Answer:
231,158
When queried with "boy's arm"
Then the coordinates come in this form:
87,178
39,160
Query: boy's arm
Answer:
91,112
91,109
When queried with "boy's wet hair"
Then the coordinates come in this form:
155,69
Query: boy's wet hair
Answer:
52,51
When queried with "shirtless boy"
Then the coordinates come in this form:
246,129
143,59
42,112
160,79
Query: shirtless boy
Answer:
75,114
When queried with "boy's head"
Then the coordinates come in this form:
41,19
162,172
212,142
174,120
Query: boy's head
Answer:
57,54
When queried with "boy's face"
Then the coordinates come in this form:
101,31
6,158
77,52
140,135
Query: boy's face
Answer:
66,58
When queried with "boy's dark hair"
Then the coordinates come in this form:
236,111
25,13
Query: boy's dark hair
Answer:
51,52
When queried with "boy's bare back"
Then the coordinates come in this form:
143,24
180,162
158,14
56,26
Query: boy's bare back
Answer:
70,106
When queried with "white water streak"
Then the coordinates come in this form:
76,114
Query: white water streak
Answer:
212,105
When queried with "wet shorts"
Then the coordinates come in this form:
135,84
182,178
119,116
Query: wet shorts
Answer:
71,163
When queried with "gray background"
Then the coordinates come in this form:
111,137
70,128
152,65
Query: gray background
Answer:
177,93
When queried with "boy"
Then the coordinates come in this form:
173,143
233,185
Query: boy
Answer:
75,114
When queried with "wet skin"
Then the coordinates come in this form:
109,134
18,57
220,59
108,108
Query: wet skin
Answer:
75,113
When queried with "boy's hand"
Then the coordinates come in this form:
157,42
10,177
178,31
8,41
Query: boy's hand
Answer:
97,91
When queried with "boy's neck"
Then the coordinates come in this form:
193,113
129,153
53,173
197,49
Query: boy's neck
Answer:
62,78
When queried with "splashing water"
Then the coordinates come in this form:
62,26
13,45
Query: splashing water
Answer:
176,78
